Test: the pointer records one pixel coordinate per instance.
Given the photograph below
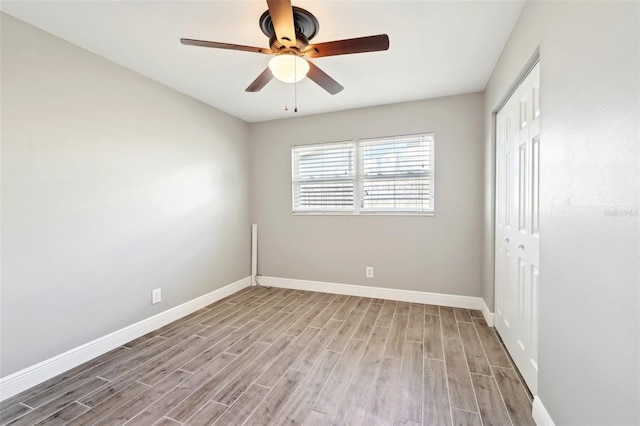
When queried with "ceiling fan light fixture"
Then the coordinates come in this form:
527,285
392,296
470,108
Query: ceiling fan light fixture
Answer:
288,68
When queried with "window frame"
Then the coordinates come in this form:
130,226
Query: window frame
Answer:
358,180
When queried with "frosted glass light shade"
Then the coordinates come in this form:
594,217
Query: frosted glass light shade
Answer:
288,68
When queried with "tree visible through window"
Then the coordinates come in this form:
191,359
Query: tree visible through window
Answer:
386,175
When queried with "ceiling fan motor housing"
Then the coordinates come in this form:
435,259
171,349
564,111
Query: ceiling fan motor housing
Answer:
299,49
304,22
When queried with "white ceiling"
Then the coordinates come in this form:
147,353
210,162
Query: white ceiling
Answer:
437,48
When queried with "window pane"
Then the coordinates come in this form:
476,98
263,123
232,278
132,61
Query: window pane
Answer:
396,156
323,177
326,196
323,161
403,195
396,174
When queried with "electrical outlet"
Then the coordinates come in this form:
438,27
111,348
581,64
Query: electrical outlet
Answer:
369,272
156,296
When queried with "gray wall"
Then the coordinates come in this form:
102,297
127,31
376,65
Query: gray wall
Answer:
440,254
111,185
589,178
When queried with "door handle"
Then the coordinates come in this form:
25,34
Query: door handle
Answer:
521,246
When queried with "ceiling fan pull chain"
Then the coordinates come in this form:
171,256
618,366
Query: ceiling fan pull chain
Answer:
295,86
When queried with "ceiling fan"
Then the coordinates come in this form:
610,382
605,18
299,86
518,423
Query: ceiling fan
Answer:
290,29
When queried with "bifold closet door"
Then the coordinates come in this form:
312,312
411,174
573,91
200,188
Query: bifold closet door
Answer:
517,250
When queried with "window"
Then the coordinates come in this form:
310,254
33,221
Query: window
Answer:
323,177
386,175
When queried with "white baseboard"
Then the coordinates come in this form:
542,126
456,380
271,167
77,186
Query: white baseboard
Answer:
45,370
451,300
486,312
540,414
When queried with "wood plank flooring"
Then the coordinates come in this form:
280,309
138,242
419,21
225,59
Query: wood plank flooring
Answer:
287,357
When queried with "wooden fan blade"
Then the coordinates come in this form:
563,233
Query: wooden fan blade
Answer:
353,45
260,82
282,17
204,43
323,80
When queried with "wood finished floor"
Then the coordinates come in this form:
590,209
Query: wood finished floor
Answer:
285,357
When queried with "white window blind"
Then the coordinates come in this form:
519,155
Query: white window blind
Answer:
384,176
396,174
323,177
